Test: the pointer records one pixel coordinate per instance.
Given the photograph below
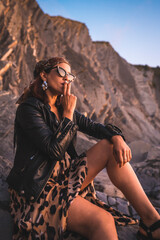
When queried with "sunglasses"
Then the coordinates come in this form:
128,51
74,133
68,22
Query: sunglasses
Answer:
62,73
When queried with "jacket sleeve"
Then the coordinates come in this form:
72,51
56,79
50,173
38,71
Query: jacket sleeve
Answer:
54,144
97,130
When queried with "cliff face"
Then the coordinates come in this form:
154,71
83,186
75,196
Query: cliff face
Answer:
108,88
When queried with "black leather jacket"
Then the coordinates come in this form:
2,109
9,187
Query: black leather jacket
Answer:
42,141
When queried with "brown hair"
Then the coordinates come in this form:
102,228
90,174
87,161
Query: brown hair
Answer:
35,88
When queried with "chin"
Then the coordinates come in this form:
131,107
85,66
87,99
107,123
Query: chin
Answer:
60,92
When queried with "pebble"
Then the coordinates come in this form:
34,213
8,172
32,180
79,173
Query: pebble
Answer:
112,201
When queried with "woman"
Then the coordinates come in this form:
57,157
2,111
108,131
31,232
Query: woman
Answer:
51,187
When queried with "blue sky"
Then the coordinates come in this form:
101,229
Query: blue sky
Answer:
131,26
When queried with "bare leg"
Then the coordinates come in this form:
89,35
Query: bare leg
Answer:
101,156
126,180
90,220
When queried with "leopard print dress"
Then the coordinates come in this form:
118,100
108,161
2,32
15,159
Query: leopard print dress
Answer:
46,219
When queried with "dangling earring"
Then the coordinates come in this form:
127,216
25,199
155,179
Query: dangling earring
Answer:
44,85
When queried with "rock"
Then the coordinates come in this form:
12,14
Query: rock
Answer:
102,196
148,173
154,153
112,201
122,206
7,116
4,195
84,142
132,212
139,150
6,224
128,232
109,89
5,166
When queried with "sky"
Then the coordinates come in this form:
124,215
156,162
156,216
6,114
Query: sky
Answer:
131,26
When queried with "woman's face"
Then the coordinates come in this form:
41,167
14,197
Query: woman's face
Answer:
55,81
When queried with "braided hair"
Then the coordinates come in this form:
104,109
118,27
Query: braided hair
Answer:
35,88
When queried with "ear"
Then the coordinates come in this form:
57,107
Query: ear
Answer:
43,76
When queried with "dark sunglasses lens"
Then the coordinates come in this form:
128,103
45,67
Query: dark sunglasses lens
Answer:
61,72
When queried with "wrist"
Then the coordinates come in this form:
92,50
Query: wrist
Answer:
116,138
68,114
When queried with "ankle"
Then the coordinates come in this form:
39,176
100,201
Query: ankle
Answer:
150,220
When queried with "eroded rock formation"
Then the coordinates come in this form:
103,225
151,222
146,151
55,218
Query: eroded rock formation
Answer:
107,86
109,89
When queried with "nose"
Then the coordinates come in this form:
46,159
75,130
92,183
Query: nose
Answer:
66,77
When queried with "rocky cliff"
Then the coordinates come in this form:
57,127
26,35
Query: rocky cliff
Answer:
109,89
107,86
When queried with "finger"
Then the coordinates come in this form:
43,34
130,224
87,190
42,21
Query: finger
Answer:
68,88
125,156
130,155
119,158
65,88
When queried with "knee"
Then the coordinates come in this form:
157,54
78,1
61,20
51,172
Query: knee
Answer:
103,221
106,143
106,146
104,218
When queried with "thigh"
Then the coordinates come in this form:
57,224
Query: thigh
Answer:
84,217
97,158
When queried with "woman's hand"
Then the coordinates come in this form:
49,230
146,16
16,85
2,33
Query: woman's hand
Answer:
121,151
68,101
